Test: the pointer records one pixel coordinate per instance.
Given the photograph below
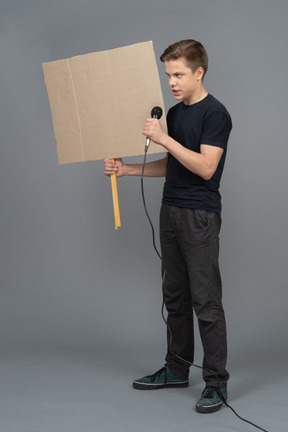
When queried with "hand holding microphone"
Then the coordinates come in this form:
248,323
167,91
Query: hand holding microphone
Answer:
150,127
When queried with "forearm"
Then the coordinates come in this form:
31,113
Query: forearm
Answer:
152,169
201,164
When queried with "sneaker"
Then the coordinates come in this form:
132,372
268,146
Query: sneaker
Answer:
161,379
211,400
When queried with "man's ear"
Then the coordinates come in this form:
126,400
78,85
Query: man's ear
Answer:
199,73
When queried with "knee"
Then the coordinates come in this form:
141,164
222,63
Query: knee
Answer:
209,312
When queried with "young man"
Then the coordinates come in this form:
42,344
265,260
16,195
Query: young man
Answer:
190,221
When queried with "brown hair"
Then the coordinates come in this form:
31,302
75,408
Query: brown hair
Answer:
193,52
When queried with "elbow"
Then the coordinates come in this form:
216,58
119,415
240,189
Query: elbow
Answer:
208,174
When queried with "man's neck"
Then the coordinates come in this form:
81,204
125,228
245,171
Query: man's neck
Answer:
199,95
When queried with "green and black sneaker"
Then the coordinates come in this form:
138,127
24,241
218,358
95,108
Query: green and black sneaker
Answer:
211,400
163,378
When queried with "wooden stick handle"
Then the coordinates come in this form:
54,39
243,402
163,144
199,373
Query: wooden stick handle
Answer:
115,201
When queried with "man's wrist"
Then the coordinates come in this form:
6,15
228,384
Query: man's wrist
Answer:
130,170
166,142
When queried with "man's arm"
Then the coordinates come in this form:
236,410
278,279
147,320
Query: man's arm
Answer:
156,168
203,164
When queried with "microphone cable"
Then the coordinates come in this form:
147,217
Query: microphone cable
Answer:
163,304
145,208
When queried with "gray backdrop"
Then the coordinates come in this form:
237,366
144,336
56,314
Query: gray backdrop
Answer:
68,279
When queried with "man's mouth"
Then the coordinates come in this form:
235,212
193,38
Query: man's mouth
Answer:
175,92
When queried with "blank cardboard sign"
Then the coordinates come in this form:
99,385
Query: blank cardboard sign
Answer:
99,102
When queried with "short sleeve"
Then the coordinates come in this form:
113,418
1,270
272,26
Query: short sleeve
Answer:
217,126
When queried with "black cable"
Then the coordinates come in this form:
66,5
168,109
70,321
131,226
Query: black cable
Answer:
163,304
145,208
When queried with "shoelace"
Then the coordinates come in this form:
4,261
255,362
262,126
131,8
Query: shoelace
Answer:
209,392
158,374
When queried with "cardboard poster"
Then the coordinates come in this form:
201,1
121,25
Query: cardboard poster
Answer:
99,102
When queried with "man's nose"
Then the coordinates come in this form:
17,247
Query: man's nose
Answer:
171,82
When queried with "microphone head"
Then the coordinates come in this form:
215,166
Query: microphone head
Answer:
156,112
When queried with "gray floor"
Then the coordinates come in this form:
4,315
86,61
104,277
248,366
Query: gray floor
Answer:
67,391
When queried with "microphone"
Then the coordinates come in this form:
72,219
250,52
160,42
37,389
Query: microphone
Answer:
156,113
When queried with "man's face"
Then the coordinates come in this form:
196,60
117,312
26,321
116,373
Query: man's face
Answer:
182,81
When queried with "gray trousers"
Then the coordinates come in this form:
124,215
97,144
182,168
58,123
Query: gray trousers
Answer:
192,281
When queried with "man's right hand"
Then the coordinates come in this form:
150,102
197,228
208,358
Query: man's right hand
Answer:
113,167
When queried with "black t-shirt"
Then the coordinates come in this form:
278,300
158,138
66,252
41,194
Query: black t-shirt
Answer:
205,122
